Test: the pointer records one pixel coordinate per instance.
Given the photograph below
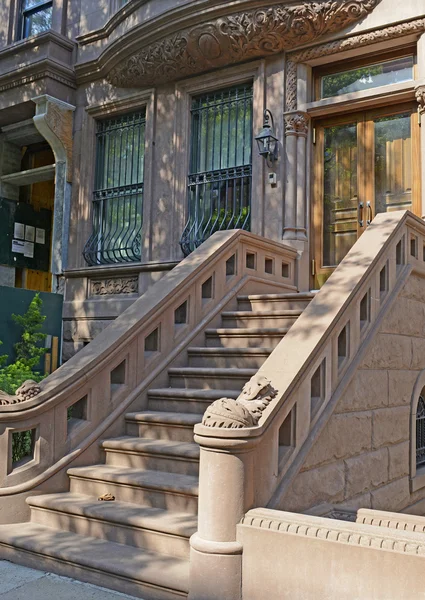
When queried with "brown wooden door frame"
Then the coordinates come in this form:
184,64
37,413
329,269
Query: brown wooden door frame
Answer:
365,184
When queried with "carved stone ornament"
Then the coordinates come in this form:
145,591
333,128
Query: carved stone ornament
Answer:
420,97
118,285
236,38
246,410
296,124
26,391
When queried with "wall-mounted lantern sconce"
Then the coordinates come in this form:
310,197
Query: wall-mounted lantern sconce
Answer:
266,140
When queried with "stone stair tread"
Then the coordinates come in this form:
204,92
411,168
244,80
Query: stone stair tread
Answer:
127,562
122,513
207,395
163,417
229,351
155,480
262,313
153,446
212,371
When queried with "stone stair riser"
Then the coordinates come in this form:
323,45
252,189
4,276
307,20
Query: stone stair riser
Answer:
155,541
271,304
159,431
255,320
99,577
136,495
239,340
178,405
169,464
208,382
237,361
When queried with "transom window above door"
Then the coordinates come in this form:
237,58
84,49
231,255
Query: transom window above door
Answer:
365,163
220,170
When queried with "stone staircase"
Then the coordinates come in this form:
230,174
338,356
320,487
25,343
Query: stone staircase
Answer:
139,543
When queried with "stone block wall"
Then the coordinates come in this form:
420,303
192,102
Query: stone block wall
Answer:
362,456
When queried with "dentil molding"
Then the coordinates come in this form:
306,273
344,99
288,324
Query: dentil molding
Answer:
236,38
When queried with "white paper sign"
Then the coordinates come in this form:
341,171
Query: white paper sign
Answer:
40,236
19,231
29,249
29,233
18,246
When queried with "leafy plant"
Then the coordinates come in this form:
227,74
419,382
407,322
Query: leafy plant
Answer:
28,351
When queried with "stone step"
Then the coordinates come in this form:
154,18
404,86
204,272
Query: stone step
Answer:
239,358
153,455
265,318
186,401
161,425
259,302
154,529
120,567
196,377
249,337
158,489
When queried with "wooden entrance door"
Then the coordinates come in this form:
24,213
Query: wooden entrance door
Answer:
364,163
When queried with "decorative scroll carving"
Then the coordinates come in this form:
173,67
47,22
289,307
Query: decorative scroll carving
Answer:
296,123
236,38
246,410
420,97
120,285
357,41
26,391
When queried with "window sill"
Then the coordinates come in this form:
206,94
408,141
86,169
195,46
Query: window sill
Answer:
395,92
418,481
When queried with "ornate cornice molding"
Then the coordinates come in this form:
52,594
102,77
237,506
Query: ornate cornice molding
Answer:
236,38
357,41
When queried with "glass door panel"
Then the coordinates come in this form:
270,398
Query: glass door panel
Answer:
339,192
393,163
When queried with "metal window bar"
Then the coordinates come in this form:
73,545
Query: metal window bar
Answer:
118,194
420,432
220,178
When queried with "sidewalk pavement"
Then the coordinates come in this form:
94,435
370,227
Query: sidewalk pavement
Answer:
21,583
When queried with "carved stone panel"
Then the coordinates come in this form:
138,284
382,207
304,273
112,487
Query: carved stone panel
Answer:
115,285
236,38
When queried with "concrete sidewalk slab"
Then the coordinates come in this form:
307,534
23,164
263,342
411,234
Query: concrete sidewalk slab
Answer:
22,583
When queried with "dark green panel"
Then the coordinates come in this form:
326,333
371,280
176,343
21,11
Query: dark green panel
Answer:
17,301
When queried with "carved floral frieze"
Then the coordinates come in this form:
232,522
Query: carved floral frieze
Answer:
246,410
114,285
236,38
296,123
420,97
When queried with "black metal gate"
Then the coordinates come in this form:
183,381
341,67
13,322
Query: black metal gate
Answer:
118,194
219,183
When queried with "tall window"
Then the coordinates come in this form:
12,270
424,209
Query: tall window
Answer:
420,432
36,17
118,193
219,182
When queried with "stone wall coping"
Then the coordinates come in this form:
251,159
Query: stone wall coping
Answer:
118,269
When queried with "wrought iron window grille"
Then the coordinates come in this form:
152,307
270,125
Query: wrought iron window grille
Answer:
220,177
420,432
118,193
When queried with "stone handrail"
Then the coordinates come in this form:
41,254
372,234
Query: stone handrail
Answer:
252,466
117,367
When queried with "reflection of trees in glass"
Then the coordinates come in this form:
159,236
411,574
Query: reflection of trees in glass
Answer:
371,76
37,17
392,162
339,191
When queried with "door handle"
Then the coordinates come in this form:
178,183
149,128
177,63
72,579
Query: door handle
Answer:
360,213
370,214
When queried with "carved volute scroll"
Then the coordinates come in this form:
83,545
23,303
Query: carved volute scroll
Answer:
236,38
246,411
26,391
